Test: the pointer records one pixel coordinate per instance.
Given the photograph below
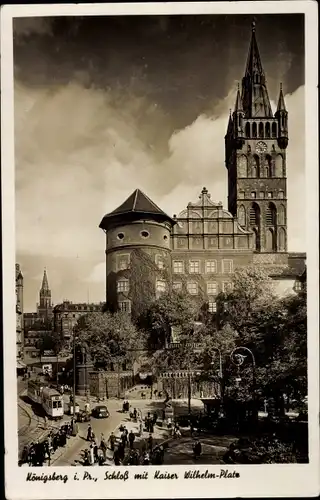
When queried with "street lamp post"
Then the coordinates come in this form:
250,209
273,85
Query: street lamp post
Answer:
238,359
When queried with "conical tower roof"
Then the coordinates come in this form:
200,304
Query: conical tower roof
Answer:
281,103
45,284
238,104
137,206
255,99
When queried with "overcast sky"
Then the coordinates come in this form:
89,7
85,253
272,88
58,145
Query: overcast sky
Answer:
107,105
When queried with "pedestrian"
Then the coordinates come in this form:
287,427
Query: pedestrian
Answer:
135,413
91,452
112,440
132,437
116,457
121,451
146,458
95,452
24,455
155,418
124,439
103,447
75,429
45,421
150,442
197,449
89,433
169,422
140,428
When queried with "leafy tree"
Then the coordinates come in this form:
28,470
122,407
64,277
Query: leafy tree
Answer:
111,338
50,341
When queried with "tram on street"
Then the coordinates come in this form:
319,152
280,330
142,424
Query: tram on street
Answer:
49,399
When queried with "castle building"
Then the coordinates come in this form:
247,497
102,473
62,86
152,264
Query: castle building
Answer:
200,249
66,315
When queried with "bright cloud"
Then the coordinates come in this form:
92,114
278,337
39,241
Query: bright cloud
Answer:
79,155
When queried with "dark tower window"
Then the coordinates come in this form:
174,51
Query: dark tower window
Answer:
271,215
254,215
120,236
145,234
274,130
254,130
248,129
261,129
267,130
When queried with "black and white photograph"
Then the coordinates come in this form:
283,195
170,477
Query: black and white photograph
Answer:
162,248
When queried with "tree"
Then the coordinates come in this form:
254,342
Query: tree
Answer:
50,341
274,329
111,338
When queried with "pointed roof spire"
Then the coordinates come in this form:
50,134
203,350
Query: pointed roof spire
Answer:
238,104
281,103
137,206
45,285
255,97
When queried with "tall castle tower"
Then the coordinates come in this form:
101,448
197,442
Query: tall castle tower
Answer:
45,306
255,143
138,254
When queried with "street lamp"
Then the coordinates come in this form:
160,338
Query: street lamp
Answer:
238,359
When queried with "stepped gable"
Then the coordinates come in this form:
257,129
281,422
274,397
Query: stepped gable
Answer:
137,207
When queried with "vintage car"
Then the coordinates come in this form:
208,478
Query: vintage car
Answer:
100,411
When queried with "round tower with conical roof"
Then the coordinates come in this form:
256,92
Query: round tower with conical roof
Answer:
138,260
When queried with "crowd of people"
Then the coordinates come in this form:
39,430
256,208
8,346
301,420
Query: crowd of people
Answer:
39,453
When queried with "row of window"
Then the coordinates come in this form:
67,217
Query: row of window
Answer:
262,195
265,168
210,266
192,287
194,266
272,215
125,306
262,130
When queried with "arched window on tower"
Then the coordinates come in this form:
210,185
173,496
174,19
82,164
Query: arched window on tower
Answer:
270,240
281,215
242,215
261,130
271,214
242,166
282,239
274,129
255,166
254,130
254,215
279,166
248,129
267,166
267,130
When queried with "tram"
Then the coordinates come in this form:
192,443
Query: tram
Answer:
49,399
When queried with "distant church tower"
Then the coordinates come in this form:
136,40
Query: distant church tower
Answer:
256,142
45,306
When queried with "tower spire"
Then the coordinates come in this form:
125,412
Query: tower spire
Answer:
238,104
281,103
255,97
45,284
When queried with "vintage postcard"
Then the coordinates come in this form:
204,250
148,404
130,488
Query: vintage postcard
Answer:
160,250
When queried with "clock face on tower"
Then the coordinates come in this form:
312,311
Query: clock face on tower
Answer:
261,147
